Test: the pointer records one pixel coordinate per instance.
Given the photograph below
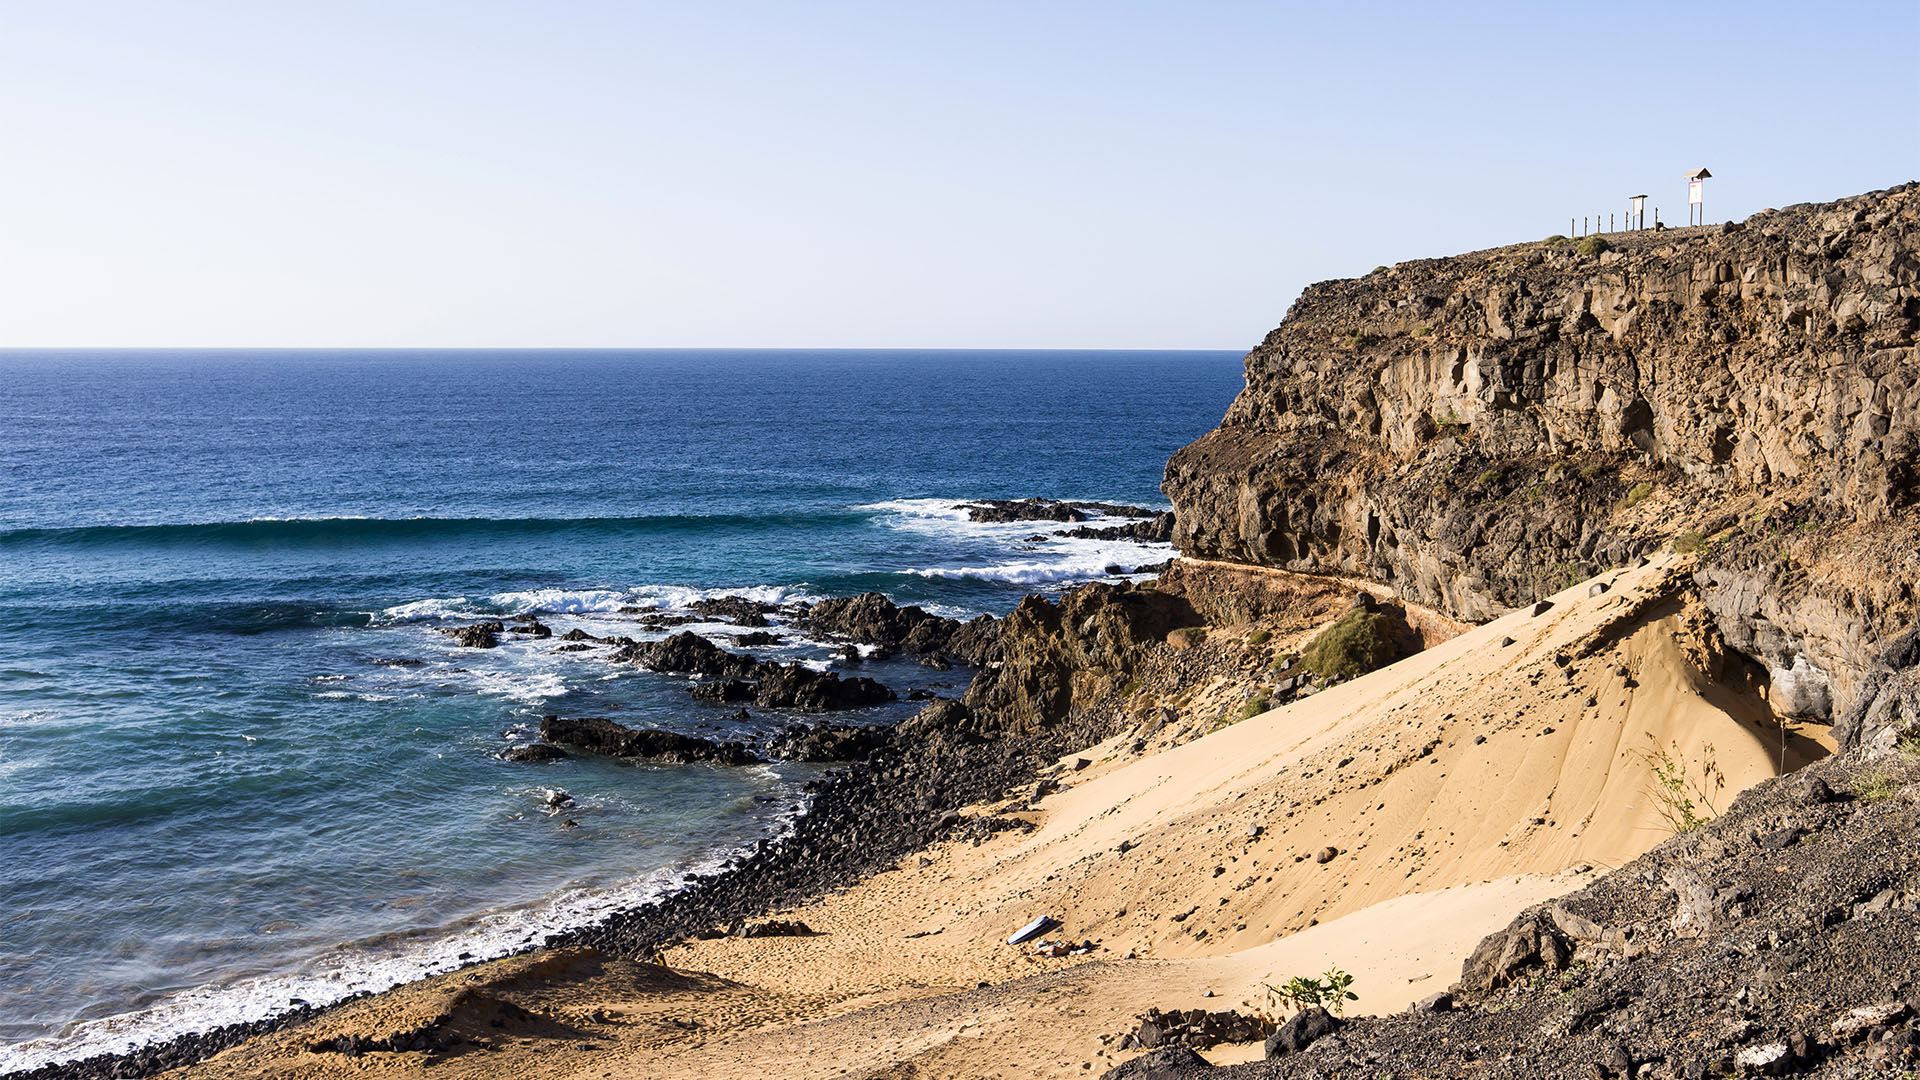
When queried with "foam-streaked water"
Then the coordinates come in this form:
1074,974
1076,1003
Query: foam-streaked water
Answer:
238,767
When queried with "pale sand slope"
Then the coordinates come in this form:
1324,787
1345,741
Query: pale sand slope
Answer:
1456,786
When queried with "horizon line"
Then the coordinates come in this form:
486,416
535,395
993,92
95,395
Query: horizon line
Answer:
621,348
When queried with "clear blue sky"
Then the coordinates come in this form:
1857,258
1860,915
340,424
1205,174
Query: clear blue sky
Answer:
263,172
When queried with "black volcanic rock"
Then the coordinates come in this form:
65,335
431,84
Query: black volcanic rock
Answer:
687,653
872,619
735,609
827,742
602,736
485,635
796,686
1004,510
1157,529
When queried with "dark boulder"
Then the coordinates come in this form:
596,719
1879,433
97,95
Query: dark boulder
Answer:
1531,942
534,752
796,686
1166,1063
1307,1027
734,609
942,719
872,619
602,736
723,690
690,654
483,635
827,742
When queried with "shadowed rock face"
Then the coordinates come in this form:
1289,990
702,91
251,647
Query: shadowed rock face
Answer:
1087,645
1479,430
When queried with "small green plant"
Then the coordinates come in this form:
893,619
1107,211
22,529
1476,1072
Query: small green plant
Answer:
1593,245
1354,340
1379,269
1875,787
1259,637
1330,992
1488,478
1255,707
1636,493
1590,472
1421,331
1683,800
1556,238
1689,542
1447,420
1355,644
1909,745
1187,637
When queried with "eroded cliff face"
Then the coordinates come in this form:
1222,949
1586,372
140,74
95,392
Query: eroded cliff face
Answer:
1478,430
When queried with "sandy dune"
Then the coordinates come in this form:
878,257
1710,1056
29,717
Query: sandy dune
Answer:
1452,789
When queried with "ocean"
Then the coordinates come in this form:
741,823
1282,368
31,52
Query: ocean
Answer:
240,769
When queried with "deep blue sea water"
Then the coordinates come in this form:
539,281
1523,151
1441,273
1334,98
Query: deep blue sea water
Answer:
239,767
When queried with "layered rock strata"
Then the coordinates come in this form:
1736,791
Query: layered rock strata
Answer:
1479,430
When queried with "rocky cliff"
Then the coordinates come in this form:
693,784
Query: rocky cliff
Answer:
1478,430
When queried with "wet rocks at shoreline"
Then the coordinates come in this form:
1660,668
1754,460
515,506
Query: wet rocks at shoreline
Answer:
872,619
1157,529
828,742
602,736
482,635
769,684
1006,510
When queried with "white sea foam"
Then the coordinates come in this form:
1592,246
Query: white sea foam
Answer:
948,509
351,970
581,601
527,687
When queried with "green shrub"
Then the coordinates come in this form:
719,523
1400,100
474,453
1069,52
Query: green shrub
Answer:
1255,707
1636,493
1329,991
1487,478
1556,238
1689,542
1593,245
1421,331
1355,644
1187,636
1590,472
1684,801
1259,637
1875,787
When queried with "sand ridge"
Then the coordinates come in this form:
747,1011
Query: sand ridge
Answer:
1383,825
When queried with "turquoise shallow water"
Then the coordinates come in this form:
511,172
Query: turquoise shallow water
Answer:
238,767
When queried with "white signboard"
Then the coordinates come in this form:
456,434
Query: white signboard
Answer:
1693,192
